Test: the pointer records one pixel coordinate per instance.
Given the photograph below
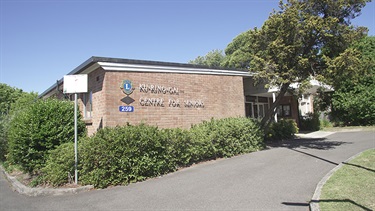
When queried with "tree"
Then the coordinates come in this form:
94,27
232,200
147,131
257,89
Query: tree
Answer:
239,51
8,95
213,58
354,83
298,42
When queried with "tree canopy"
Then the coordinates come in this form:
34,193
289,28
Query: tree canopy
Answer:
299,41
213,58
8,95
354,82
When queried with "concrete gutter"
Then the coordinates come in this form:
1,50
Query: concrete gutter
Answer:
314,203
23,189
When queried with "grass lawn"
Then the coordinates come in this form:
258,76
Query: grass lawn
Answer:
352,187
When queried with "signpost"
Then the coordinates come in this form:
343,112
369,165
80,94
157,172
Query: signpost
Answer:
74,84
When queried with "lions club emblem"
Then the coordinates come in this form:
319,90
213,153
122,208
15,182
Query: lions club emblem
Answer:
127,87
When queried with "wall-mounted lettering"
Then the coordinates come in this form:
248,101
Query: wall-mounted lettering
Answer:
193,103
157,89
166,90
174,103
157,102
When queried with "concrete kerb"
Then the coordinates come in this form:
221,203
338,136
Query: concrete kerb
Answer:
314,203
23,189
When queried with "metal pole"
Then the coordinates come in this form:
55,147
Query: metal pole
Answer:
75,140
274,99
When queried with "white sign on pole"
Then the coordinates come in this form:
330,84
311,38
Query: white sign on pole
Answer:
75,84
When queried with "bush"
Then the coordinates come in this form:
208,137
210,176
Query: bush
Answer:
180,146
282,130
121,155
13,101
310,123
59,168
3,139
41,127
226,137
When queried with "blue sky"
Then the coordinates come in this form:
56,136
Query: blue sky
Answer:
42,40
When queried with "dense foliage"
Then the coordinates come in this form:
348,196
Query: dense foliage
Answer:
8,95
310,122
284,129
298,42
40,127
213,58
12,101
354,96
225,138
59,168
121,155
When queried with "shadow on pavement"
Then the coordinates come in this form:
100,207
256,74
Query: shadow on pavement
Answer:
308,143
314,156
297,204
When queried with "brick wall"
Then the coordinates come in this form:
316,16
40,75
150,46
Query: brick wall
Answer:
222,96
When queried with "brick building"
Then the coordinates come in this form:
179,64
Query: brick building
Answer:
122,91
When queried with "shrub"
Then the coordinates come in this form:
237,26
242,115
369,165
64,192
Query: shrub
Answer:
227,137
180,146
3,139
282,130
59,168
324,123
310,123
41,127
121,155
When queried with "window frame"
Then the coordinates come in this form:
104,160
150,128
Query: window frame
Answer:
281,110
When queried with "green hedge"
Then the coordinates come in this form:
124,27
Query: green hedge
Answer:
284,129
40,127
310,123
226,137
121,155
59,168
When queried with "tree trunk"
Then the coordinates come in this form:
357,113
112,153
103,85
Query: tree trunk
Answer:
271,112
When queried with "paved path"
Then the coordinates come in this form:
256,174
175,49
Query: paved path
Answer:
280,178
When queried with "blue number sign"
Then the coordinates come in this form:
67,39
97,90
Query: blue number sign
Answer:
126,108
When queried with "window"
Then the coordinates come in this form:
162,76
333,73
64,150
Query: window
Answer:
249,109
262,100
284,111
87,104
256,107
251,99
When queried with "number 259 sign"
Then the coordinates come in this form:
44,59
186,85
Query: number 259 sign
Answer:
126,108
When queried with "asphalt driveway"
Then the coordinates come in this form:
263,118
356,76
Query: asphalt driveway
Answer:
282,177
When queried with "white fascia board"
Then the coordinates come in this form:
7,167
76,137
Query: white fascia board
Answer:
90,68
168,69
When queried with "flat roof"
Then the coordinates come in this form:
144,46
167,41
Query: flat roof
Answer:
181,66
